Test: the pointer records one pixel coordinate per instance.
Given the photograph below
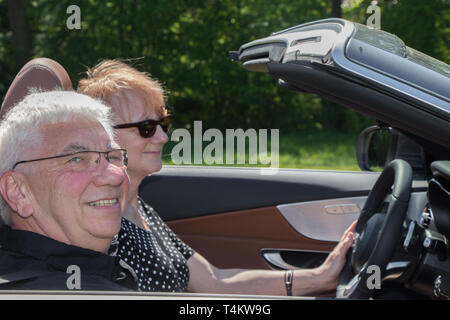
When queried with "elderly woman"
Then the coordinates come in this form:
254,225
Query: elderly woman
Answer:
161,260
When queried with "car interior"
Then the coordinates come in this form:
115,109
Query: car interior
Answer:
238,218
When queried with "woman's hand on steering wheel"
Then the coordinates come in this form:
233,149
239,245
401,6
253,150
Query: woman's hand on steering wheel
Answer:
330,270
378,230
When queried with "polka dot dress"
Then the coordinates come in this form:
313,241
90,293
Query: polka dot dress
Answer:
158,257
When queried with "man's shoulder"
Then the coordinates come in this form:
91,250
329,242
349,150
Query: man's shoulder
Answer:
62,281
25,273
16,271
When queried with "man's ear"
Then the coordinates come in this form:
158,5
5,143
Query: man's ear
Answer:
14,190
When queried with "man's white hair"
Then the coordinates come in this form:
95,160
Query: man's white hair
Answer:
20,130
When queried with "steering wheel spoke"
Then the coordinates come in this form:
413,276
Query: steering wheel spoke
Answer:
354,282
395,270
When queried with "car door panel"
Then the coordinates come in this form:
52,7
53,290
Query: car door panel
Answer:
230,214
178,192
235,239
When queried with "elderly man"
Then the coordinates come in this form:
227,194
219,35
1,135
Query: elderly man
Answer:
63,186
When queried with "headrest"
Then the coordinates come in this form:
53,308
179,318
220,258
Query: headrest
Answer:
41,73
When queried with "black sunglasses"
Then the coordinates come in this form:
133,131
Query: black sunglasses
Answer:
147,128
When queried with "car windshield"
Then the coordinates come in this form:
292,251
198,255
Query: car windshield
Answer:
421,71
428,62
380,39
395,45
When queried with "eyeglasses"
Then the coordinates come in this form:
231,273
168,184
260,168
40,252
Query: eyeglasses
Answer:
87,160
147,128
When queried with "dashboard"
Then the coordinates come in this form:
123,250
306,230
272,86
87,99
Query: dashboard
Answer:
424,245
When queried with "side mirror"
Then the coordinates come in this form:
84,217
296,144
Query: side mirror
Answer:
377,146
372,148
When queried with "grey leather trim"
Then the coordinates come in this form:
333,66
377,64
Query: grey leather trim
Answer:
313,220
326,220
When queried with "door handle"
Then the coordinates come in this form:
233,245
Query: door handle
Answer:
285,259
274,259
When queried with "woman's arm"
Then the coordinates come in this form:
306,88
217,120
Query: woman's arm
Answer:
204,277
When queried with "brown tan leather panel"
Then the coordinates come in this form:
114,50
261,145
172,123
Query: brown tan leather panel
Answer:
40,73
234,240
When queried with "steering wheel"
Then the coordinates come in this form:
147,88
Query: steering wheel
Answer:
376,234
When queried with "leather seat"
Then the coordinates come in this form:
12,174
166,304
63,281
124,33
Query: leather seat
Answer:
40,73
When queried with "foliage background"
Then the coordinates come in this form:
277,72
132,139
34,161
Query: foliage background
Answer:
185,44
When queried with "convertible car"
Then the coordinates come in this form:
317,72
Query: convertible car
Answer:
238,218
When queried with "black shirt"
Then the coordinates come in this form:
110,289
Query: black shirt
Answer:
158,256
34,262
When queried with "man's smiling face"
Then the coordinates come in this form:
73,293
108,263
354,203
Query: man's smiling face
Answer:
77,207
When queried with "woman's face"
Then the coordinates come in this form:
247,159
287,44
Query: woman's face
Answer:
144,154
